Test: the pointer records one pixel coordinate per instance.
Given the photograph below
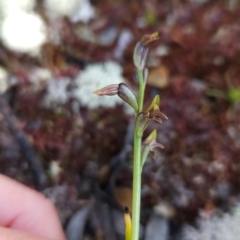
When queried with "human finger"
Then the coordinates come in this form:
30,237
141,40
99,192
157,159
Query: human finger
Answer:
25,209
12,234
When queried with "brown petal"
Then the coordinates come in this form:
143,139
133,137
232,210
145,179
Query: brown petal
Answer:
108,90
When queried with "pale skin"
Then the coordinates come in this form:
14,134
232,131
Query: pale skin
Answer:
26,214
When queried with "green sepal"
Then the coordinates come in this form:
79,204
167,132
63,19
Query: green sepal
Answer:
154,106
140,56
141,123
126,93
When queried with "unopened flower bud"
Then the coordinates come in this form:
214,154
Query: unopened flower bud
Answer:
128,96
123,92
140,56
141,50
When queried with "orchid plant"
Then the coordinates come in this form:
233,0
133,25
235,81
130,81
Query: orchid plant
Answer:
142,119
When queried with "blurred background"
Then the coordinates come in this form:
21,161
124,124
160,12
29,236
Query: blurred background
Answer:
76,148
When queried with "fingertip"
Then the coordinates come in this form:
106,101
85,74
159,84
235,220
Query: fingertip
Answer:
13,234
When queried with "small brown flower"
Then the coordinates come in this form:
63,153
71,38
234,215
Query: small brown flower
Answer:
110,90
149,146
123,91
155,115
153,111
149,39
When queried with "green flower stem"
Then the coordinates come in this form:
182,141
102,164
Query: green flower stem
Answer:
137,166
136,204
